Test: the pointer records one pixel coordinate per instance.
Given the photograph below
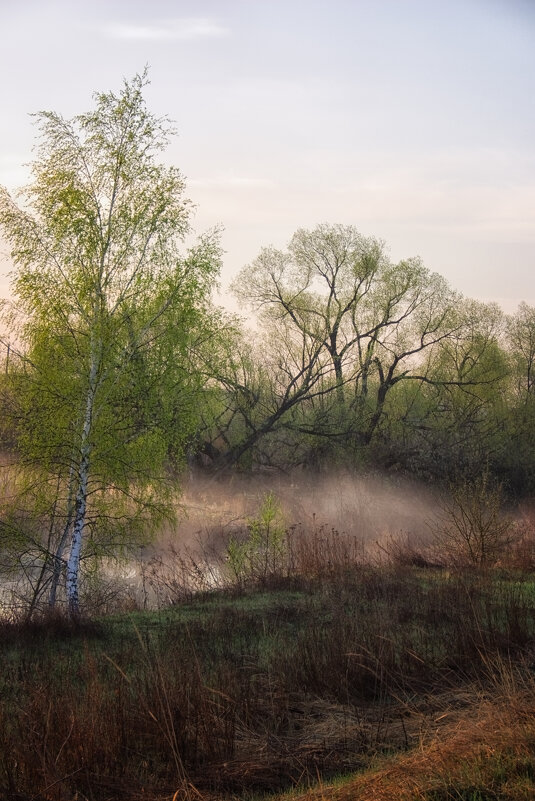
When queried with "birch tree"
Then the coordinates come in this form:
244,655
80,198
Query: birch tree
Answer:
110,308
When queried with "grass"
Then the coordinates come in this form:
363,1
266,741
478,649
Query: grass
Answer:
486,754
228,696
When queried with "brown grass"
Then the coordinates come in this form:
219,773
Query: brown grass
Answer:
417,676
486,752
240,693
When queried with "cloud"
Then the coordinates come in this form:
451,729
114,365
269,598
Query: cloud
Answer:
182,29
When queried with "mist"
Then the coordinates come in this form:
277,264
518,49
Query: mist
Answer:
368,507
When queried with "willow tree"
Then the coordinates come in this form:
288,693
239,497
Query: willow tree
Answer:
110,308
349,328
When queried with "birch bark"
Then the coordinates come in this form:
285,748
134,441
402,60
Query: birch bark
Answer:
80,506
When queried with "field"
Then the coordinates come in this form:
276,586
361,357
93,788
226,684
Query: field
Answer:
353,681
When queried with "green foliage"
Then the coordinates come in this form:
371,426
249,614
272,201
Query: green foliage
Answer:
107,379
515,445
260,556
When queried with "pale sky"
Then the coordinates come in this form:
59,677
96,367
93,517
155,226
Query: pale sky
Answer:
413,120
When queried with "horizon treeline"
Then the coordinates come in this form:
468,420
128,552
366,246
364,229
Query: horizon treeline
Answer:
355,362
125,371
362,363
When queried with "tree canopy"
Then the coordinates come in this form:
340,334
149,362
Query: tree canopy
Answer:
109,310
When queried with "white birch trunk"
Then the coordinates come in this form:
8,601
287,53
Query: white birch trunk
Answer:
80,504
58,559
73,564
60,549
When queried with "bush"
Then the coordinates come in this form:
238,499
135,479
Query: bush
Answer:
472,529
261,555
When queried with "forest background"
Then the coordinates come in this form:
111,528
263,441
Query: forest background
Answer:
122,370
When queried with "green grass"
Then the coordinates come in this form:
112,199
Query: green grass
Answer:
253,692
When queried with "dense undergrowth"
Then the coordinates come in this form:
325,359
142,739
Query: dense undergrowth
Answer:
240,693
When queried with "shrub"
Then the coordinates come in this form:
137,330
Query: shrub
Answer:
472,529
261,555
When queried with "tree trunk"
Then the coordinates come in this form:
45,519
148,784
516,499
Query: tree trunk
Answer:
58,555
73,564
58,561
80,504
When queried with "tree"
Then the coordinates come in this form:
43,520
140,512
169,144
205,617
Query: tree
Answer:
448,423
347,327
521,337
517,463
471,527
110,309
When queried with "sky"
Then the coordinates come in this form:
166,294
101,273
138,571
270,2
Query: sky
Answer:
413,120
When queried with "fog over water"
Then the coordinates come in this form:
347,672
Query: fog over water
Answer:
367,510
349,516
369,507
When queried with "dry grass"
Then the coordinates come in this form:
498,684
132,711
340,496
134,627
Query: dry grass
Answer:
478,750
335,662
263,691
487,752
